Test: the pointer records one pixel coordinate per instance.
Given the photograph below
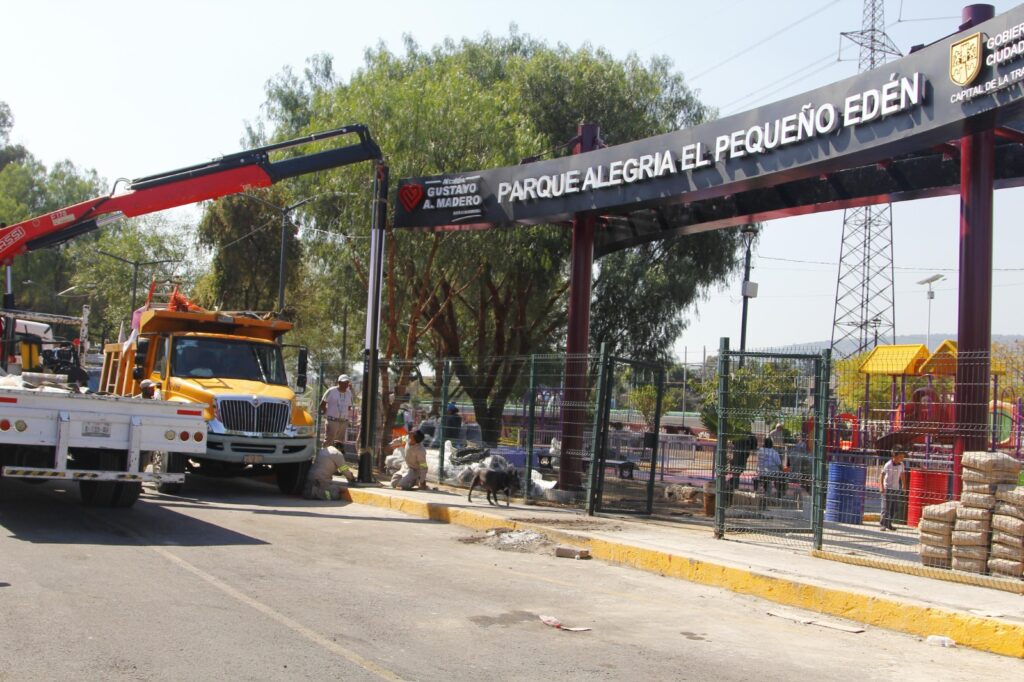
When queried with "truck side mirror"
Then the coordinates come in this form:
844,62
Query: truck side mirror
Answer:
141,351
300,375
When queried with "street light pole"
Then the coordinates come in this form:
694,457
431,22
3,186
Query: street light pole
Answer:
135,270
931,296
282,264
749,288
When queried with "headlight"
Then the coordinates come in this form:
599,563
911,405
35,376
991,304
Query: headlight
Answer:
303,431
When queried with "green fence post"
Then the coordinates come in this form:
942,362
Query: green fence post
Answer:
446,377
660,381
821,400
721,446
531,414
596,444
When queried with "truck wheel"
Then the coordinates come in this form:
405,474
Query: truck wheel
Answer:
291,477
109,493
169,463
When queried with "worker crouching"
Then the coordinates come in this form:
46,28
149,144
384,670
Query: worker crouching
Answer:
330,460
414,473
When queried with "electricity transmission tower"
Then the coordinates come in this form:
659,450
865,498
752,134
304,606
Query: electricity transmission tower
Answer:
865,311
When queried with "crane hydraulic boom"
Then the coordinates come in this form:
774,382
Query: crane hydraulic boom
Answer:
204,181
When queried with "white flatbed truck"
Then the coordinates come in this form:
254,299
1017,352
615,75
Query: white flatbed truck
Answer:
104,443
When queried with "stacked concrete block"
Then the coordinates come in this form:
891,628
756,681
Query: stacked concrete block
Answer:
936,534
1006,556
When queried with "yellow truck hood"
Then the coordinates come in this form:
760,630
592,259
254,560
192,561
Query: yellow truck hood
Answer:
205,391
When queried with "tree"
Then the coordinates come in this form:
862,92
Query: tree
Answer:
244,233
484,298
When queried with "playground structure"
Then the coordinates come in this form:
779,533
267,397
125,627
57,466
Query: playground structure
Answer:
921,414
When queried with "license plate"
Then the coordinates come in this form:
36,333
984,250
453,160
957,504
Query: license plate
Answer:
252,459
96,429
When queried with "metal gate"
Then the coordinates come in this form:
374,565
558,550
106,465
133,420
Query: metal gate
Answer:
770,452
626,436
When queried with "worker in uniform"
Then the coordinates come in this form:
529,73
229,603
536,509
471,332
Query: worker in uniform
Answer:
336,406
329,460
150,390
414,473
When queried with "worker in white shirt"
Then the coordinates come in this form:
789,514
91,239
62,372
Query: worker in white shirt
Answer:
336,406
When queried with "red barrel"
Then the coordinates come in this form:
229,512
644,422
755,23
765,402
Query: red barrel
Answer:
926,488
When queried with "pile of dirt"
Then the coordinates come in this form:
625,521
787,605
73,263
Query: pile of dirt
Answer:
511,540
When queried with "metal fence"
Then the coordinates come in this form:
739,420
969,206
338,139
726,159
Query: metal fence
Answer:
769,452
802,443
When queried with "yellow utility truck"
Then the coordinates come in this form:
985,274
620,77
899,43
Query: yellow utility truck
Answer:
231,366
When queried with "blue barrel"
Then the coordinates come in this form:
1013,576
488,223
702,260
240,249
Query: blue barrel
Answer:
844,500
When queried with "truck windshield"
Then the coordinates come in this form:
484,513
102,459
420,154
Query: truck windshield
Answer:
205,358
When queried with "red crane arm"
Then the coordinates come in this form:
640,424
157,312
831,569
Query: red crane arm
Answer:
202,182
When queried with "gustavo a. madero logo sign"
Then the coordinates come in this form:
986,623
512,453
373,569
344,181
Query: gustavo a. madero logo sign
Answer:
965,60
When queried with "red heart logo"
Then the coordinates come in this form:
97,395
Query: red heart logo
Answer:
410,196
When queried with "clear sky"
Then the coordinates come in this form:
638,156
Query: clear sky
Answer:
131,88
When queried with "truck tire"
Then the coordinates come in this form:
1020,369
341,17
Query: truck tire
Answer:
291,477
109,493
169,463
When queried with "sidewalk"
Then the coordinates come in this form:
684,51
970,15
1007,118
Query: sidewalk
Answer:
977,617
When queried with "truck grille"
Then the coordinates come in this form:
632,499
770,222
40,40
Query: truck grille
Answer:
263,417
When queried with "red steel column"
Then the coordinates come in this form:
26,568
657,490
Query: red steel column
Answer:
574,403
974,322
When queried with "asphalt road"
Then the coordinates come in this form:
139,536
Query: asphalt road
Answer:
234,581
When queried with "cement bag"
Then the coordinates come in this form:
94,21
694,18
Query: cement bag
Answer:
973,514
936,528
980,488
1007,539
969,565
1007,509
934,562
966,538
990,461
978,553
937,541
976,500
1011,494
975,526
940,512
1013,569
975,476
1008,524
1001,551
935,552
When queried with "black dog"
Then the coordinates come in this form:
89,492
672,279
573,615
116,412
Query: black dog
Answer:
494,481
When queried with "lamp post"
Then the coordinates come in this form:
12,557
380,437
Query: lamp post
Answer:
749,288
284,211
931,296
135,269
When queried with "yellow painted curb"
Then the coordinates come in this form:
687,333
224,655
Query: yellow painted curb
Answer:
986,634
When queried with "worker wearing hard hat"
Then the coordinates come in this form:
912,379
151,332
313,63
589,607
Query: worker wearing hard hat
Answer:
336,406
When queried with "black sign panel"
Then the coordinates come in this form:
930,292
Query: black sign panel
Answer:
970,80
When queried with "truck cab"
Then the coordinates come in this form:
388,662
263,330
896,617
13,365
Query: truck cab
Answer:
232,365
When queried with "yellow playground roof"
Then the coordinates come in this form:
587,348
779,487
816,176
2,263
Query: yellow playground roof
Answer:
943,361
896,360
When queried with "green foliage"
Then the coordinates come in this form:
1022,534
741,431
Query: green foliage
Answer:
244,233
758,391
28,189
480,297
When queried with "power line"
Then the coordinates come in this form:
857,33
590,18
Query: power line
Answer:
765,39
921,268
